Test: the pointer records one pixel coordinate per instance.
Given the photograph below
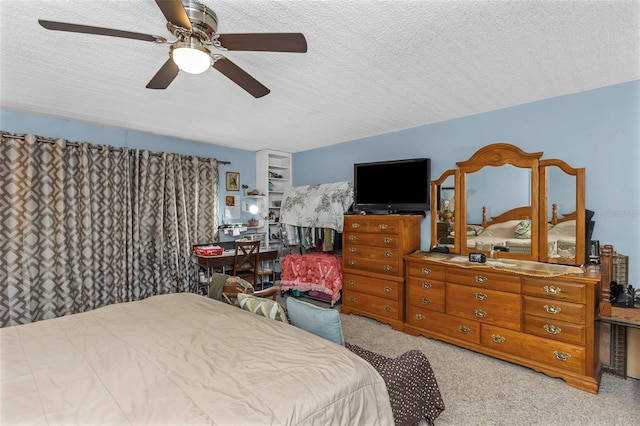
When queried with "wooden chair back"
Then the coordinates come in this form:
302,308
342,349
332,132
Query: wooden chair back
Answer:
245,263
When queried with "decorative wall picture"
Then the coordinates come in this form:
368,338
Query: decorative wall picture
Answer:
233,181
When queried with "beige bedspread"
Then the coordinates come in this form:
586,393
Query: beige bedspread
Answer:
182,359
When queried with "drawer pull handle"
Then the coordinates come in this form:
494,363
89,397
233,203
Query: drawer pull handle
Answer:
351,282
425,301
425,271
352,298
388,254
352,249
550,309
387,268
387,240
464,330
387,308
420,317
387,289
498,338
382,226
562,356
551,289
552,329
480,296
425,285
479,313
480,279
352,262
355,225
352,237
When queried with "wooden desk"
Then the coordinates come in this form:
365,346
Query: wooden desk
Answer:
620,319
223,262
227,259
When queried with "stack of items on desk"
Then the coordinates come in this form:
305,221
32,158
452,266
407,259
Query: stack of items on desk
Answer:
208,251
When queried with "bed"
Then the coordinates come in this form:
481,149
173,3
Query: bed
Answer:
512,230
182,359
319,273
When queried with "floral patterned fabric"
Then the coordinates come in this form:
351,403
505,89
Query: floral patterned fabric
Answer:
317,206
312,271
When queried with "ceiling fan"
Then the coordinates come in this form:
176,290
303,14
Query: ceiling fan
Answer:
194,27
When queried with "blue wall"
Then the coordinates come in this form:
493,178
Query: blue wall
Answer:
598,130
242,161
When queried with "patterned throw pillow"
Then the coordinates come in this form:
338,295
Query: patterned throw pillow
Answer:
263,307
523,229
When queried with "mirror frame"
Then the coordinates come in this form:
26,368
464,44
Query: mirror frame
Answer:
498,154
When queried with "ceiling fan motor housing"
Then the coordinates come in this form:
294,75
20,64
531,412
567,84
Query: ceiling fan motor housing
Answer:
202,18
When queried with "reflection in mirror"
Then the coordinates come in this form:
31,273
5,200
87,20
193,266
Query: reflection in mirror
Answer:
487,188
493,220
563,238
561,192
443,217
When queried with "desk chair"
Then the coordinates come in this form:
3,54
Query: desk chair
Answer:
245,261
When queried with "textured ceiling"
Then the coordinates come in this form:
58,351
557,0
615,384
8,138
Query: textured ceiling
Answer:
372,67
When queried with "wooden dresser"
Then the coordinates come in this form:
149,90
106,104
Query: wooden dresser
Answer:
372,265
545,323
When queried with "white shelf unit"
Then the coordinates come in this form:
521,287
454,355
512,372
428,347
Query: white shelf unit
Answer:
273,176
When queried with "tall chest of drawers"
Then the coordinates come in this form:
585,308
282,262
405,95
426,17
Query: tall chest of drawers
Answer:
542,322
373,248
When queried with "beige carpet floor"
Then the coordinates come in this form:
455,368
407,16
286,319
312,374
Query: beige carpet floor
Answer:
480,390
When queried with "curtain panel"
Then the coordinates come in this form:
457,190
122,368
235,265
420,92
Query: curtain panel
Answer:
83,226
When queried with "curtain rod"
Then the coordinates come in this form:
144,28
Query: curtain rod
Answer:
91,146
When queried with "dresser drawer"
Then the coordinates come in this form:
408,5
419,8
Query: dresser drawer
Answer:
374,240
557,330
427,294
427,270
380,254
554,309
392,267
371,225
387,289
373,304
546,351
458,328
487,306
555,290
482,279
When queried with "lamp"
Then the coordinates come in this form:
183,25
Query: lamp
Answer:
191,57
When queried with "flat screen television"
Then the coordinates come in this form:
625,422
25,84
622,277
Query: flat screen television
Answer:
399,186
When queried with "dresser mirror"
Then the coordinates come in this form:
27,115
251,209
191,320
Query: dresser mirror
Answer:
513,204
444,192
562,201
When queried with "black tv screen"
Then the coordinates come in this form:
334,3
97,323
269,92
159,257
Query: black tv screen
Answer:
392,186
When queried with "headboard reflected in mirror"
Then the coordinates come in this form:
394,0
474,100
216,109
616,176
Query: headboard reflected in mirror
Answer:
512,201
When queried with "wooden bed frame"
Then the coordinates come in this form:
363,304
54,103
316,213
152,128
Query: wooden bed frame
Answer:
524,212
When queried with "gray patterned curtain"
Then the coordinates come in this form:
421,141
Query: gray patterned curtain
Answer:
84,226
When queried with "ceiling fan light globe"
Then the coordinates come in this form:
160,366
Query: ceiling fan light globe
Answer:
191,59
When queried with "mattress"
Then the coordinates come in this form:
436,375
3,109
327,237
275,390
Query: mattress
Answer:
182,359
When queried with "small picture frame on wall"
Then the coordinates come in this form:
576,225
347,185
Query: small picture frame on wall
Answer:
233,181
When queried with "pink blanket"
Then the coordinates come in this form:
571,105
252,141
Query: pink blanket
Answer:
312,271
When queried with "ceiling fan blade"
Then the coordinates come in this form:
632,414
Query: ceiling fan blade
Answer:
265,42
164,76
240,77
85,29
174,11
